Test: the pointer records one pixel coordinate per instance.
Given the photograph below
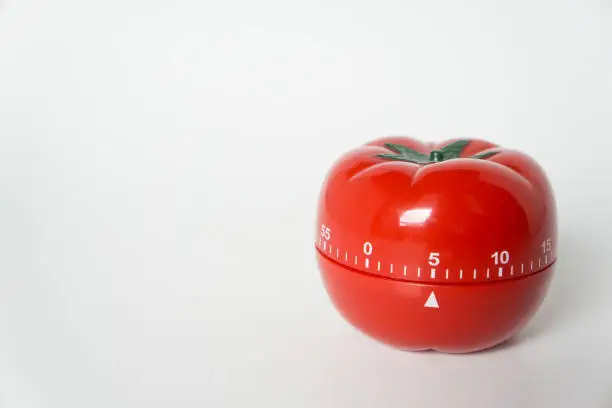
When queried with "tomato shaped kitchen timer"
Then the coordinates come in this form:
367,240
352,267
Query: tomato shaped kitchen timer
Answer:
436,246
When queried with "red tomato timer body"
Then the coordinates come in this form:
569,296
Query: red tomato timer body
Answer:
447,246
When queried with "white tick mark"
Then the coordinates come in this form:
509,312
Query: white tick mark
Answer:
512,270
433,273
500,273
404,270
545,259
391,269
337,253
325,245
378,266
419,272
346,257
330,248
367,263
355,259
488,275
447,274
460,273
474,273
532,265
522,268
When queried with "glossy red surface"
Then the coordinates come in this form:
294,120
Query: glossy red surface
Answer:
480,234
469,318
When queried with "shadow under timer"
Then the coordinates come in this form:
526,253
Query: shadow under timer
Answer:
436,246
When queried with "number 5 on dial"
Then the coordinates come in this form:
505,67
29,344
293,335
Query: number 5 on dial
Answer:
434,258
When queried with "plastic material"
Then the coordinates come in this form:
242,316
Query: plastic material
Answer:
446,246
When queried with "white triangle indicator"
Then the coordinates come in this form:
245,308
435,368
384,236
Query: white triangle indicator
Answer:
432,301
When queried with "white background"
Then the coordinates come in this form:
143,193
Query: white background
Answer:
159,168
